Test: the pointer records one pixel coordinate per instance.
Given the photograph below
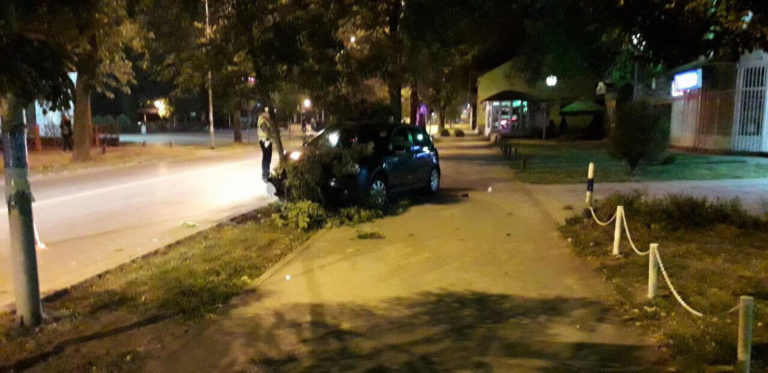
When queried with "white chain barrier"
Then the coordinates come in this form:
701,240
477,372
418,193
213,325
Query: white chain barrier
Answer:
672,289
629,238
601,223
746,303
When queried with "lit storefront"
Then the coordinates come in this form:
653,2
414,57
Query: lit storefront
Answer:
511,113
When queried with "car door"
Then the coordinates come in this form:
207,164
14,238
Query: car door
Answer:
399,160
423,156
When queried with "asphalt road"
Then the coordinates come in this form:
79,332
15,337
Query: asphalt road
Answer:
94,221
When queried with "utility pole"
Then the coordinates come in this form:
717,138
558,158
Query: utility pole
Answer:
18,197
210,91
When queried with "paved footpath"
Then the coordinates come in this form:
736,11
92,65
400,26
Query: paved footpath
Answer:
482,283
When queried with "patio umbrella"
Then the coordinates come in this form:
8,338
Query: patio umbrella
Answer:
582,107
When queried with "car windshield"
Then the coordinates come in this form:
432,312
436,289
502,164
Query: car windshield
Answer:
347,136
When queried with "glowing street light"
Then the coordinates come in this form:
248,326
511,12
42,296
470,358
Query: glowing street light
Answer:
352,39
162,108
551,81
307,103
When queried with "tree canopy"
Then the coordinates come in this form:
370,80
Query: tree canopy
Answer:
33,65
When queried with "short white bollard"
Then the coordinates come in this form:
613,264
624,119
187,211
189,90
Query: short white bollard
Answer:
653,270
744,348
617,230
590,183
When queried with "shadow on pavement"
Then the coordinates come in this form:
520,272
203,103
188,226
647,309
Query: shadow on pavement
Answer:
436,332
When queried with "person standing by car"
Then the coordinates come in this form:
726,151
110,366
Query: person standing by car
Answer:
66,133
264,130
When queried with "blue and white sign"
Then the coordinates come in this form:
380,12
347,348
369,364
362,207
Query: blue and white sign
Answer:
686,81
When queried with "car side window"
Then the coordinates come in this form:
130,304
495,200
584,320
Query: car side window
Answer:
420,138
400,140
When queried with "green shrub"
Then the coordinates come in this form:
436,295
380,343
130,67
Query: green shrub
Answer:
304,178
301,215
458,132
356,215
97,120
445,132
125,124
108,120
675,211
641,133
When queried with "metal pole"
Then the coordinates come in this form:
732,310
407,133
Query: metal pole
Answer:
653,271
617,230
590,183
21,229
210,90
744,348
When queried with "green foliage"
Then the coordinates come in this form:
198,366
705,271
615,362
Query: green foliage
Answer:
108,120
305,178
641,133
458,132
125,124
301,215
356,215
676,211
677,32
307,215
34,66
445,132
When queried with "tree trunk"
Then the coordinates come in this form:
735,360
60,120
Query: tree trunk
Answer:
414,103
395,98
473,103
20,222
238,127
395,80
83,125
441,114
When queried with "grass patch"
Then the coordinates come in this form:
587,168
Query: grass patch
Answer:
566,162
188,279
714,253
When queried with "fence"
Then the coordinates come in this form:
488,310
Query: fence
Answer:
511,153
656,265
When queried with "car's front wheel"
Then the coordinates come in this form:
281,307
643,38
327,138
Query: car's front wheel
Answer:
433,183
378,193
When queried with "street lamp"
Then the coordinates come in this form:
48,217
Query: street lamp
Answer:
352,39
551,81
307,103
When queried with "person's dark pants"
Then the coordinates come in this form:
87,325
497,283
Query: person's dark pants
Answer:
266,159
66,142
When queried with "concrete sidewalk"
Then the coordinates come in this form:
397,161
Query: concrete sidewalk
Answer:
479,283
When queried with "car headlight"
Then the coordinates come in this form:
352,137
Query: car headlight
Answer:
295,155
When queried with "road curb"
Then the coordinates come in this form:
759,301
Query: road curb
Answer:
287,259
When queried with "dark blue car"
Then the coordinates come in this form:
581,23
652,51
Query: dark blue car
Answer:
403,158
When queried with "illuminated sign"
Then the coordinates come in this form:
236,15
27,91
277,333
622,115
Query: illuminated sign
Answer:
685,81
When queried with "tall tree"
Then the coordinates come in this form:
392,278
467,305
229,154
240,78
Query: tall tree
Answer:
676,32
97,33
291,42
32,67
